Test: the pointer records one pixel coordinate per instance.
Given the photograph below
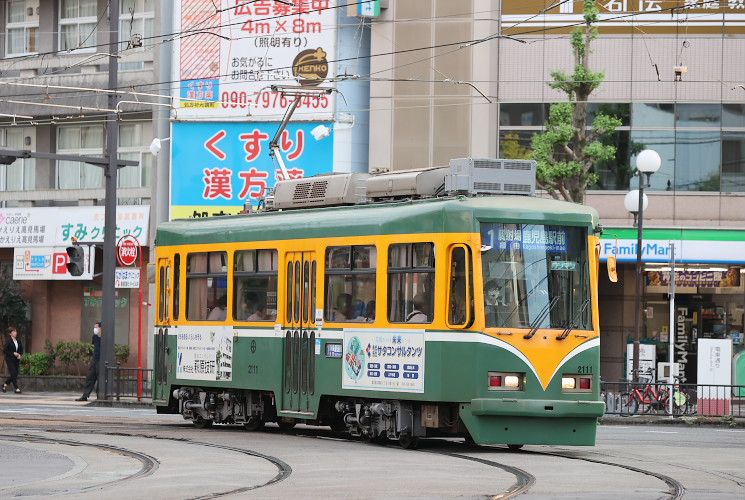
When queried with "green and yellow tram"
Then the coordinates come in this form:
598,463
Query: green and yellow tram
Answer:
405,316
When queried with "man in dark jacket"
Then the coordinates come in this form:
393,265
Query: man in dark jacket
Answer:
92,378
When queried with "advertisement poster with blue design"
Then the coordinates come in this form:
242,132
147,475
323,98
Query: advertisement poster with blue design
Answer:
218,168
383,360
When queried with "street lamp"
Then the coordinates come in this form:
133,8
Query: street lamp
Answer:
647,162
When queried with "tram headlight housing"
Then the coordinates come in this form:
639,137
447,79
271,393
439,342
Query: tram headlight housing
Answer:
502,381
576,383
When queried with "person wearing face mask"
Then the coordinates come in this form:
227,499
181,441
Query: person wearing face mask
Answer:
13,350
497,313
92,378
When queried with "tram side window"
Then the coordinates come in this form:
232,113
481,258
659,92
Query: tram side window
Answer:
176,285
162,304
255,285
461,287
206,286
350,283
411,282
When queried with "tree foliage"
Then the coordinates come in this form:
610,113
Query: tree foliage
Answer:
14,309
566,153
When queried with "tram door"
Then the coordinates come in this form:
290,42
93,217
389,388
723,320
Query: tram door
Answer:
160,387
299,333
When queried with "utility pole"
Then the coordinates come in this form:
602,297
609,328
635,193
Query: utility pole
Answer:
108,311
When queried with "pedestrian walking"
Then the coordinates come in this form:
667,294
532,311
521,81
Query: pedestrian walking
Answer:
91,379
13,350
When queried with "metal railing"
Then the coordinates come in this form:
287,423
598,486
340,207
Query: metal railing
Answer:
128,383
653,398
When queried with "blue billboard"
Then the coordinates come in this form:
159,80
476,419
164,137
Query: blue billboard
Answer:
216,168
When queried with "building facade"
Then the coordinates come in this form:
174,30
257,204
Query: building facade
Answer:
54,76
458,79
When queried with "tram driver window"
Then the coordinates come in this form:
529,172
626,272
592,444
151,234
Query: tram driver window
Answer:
350,283
206,286
411,282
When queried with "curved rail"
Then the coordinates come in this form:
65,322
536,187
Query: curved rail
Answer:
149,464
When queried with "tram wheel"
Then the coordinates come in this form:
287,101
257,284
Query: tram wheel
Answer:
370,439
254,424
408,442
514,447
285,425
202,423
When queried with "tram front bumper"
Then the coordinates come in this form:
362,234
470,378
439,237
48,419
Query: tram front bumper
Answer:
536,408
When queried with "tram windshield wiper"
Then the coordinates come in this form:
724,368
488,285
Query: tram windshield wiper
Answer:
536,324
573,324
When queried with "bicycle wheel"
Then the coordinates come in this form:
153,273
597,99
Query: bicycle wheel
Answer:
633,404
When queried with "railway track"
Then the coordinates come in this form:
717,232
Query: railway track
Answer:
523,482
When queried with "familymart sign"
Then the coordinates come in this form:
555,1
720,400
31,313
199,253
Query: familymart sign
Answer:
691,245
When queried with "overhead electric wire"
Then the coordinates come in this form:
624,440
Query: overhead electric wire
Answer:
169,84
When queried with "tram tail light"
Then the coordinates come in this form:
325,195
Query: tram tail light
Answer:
576,383
499,381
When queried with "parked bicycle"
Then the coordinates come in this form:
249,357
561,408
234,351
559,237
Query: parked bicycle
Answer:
647,397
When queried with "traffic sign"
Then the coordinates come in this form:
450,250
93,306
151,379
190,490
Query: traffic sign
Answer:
127,250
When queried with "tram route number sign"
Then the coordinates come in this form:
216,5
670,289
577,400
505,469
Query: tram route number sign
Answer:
127,250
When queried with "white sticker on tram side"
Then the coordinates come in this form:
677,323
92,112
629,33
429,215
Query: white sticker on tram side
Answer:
204,353
387,360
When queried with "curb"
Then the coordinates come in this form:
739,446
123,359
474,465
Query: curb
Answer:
691,421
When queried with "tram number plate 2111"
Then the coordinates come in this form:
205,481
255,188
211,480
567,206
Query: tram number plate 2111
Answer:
584,369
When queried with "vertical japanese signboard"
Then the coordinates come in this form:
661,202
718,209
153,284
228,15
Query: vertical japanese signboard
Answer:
230,51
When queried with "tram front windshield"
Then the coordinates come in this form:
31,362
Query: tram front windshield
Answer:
535,276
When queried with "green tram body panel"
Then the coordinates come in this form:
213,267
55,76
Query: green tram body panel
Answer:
532,416
455,372
454,215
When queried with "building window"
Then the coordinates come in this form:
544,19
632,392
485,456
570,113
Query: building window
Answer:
85,140
22,27
131,147
136,29
88,140
77,24
700,143
21,175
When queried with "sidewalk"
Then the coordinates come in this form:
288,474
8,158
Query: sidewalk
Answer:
68,398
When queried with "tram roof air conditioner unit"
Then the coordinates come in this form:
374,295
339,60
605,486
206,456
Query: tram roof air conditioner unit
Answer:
474,176
422,182
319,191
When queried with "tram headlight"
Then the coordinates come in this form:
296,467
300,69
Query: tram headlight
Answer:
568,382
576,383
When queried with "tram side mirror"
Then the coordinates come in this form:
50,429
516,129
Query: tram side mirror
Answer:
612,271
